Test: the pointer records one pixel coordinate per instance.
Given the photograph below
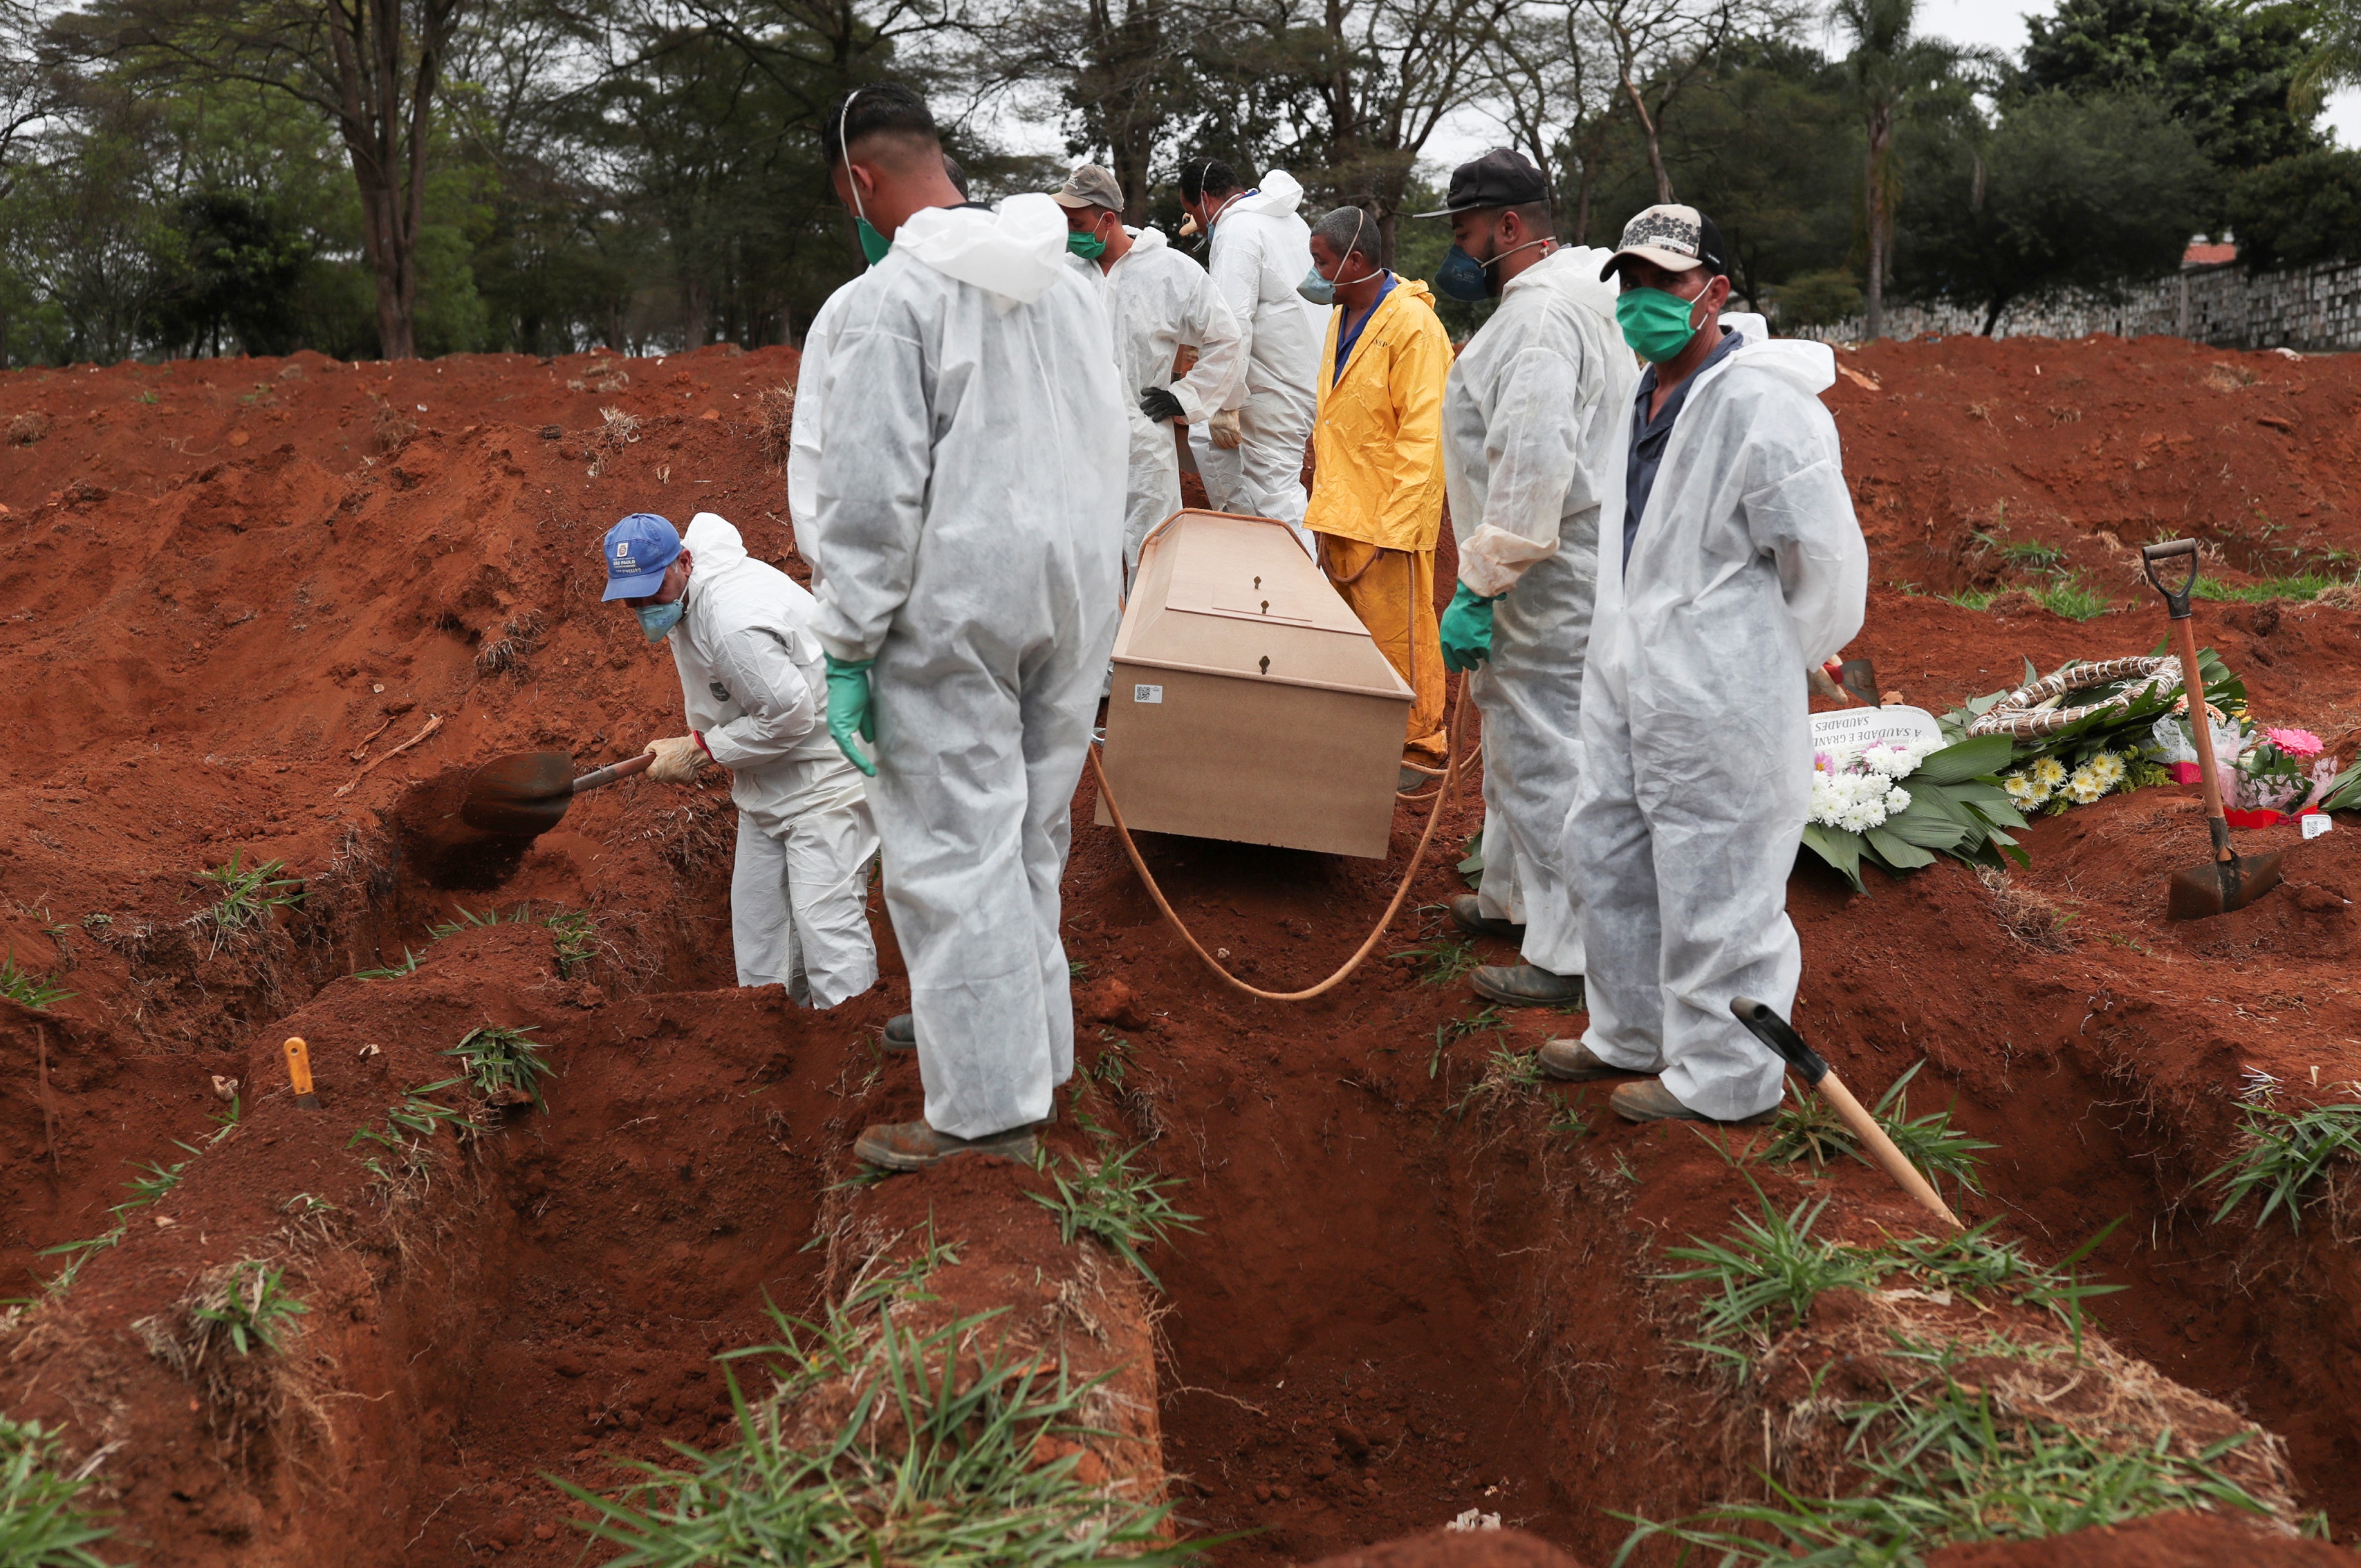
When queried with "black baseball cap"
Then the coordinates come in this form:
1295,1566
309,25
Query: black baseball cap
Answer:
1501,178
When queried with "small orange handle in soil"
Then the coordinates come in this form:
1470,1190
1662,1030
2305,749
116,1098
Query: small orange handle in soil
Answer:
299,1069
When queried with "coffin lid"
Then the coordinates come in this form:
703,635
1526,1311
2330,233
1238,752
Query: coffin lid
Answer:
1218,594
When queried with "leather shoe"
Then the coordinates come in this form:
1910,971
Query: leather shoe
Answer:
902,1033
1649,1100
1570,1061
1468,914
1524,985
914,1145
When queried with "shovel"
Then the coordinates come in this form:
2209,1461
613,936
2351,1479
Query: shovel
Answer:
2226,882
525,793
1780,1036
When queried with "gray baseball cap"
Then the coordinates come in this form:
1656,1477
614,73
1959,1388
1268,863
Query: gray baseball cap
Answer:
1089,186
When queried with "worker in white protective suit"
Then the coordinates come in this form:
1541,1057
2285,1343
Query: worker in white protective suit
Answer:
970,510
1160,301
1532,457
752,681
1251,457
1740,566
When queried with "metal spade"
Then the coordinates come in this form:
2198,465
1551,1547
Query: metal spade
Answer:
2228,880
525,793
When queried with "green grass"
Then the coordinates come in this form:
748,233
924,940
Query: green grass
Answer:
412,1120
937,1463
1510,1075
22,985
1444,957
2302,585
253,1312
2071,597
248,893
1809,1129
1114,1200
1975,599
470,921
502,1064
408,965
39,1526
577,938
1451,1031
2287,1151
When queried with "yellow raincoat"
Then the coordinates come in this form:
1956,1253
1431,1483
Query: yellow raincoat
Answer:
1377,489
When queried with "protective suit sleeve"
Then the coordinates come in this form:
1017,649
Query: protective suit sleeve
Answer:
1537,475
1421,365
1237,271
876,458
1213,330
1799,512
777,709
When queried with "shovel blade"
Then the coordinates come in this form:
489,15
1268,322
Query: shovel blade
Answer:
2219,886
519,795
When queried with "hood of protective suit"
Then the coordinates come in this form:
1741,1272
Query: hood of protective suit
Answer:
1147,238
1572,271
713,542
1016,252
1811,365
1279,194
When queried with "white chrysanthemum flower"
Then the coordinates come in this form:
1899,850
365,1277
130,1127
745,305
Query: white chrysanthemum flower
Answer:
2046,772
2084,786
2106,769
2022,790
1897,799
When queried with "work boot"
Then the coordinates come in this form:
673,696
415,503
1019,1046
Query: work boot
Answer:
1570,1061
1649,1100
902,1033
1410,781
1525,985
1468,914
914,1145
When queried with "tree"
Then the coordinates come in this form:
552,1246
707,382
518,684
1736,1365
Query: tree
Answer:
1887,63
1544,86
372,68
2062,191
2299,211
2334,61
1660,48
2222,68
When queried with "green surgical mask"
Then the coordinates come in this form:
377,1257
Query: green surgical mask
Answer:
1089,246
1655,324
874,245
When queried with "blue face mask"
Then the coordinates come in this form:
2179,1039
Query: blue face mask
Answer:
1463,278
1318,289
655,619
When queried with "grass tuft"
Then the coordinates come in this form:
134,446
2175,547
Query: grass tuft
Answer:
577,938
1809,1129
22,985
39,1526
2070,597
1124,1206
958,1452
249,894
2286,1151
1510,1075
1443,959
252,1311
408,965
2302,585
505,1066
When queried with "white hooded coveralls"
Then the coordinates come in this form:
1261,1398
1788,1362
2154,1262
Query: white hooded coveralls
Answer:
1748,569
1161,300
969,502
752,682
1260,250
803,436
1534,432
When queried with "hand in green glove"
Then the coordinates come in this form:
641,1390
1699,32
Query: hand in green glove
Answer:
1467,629
847,710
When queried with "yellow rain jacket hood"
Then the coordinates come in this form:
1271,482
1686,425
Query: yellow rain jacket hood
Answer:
1377,443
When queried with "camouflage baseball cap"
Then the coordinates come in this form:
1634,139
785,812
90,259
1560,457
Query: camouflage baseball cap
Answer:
1675,237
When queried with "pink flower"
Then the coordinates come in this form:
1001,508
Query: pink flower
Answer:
1823,763
2294,743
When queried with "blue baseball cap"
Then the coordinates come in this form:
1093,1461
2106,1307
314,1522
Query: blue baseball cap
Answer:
639,549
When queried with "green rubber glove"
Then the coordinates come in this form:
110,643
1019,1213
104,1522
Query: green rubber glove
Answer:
847,710
1467,629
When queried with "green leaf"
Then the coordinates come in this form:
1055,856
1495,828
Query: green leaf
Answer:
1926,824
1969,759
1839,847
1895,852
2344,792
2031,675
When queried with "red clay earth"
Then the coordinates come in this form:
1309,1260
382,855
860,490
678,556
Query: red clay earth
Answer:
238,583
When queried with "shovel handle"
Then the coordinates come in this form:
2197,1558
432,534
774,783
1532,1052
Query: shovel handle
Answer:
2151,555
299,1063
614,771
2201,728
1891,1160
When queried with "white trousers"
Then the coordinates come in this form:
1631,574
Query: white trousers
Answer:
1263,475
798,904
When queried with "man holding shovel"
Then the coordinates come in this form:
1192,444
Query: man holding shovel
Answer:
753,682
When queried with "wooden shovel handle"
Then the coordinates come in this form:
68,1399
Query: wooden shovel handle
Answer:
2200,733
1880,1148
299,1063
614,771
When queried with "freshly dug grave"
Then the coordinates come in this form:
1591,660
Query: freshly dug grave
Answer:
1417,1286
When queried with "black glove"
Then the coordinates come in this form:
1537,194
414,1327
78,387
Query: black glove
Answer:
1158,404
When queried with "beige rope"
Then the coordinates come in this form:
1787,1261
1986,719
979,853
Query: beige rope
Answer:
1418,857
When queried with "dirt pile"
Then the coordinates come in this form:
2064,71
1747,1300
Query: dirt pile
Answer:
1419,1284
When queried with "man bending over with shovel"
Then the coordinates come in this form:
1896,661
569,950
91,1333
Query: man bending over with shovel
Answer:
756,690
